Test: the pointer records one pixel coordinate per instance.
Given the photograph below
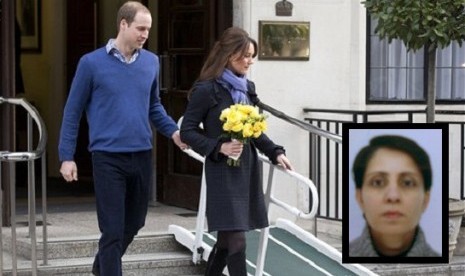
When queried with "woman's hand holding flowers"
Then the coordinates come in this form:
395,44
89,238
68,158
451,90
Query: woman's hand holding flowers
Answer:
232,148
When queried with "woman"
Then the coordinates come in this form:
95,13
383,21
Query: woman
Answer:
235,201
393,182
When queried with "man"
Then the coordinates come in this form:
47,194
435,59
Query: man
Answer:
117,87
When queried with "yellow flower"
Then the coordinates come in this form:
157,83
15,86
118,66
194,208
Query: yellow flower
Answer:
259,126
257,134
227,126
245,109
224,114
242,122
255,114
234,117
248,130
237,127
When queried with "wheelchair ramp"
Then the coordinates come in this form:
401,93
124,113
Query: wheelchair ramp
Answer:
290,251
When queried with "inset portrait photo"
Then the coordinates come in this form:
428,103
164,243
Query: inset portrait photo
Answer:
395,193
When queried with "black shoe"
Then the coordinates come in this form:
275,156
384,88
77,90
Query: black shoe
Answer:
95,268
95,271
216,262
237,264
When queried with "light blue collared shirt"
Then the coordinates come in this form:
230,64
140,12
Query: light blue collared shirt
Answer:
111,49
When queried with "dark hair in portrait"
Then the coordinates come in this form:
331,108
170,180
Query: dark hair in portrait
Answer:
395,142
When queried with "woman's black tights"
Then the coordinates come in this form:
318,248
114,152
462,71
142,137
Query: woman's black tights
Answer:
233,241
229,250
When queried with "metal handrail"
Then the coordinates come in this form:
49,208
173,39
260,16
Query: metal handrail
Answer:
38,152
198,249
28,156
303,125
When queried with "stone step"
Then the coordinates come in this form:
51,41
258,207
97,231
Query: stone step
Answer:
148,254
160,264
82,247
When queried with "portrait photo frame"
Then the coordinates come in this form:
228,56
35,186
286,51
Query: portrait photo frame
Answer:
284,40
434,139
28,16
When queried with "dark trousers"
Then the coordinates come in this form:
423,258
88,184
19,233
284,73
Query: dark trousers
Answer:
122,183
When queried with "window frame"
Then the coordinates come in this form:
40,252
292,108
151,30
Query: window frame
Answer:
370,101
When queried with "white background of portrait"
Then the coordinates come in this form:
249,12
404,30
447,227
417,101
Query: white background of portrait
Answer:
431,141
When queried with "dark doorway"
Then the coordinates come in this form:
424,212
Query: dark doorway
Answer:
81,39
187,30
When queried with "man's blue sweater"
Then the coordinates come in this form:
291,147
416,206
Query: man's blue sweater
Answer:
119,99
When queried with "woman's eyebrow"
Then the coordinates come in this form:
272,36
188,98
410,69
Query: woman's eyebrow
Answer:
411,173
383,173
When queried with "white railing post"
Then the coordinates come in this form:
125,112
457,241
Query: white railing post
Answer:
264,233
200,223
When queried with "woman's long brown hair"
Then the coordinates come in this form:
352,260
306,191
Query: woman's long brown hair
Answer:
233,40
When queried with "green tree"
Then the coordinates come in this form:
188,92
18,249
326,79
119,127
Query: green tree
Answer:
432,24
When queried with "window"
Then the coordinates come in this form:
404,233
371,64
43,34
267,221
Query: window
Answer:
397,75
450,73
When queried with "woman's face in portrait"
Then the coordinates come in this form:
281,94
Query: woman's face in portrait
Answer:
393,195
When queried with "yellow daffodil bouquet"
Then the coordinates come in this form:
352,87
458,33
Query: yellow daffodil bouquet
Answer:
242,122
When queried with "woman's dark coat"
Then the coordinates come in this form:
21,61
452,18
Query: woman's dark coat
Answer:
234,194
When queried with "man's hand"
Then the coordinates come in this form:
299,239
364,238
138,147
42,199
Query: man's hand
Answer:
177,140
69,171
